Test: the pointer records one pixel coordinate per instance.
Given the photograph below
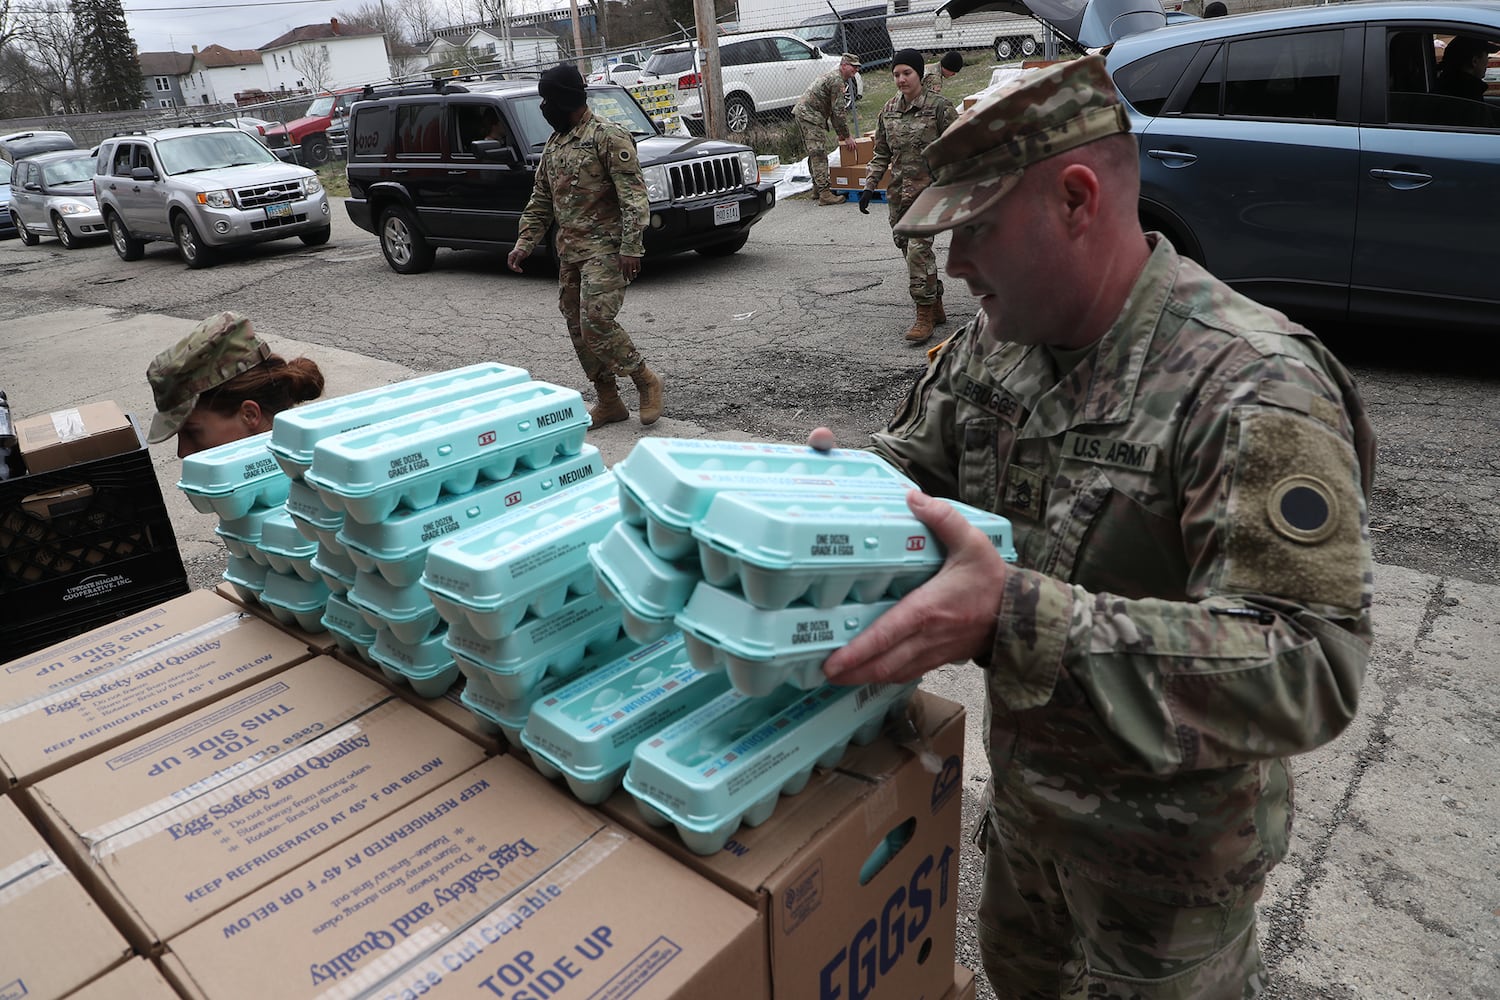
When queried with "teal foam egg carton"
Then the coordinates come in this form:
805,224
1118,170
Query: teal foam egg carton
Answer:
241,535
649,589
231,479
414,459
666,484
246,576
293,600
527,561
405,611
285,548
825,549
762,650
729,762
296,432
397,548
426,665
336,570
557,644
587,730
509,715
309,513
348,627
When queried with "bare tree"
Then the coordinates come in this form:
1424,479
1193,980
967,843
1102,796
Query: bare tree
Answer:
55,52
315,65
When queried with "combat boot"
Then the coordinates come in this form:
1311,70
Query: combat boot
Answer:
611,408
939,317
829,198
921,328
649,387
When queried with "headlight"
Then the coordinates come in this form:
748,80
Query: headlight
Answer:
74,208
658,186
215,199
748,168
311,185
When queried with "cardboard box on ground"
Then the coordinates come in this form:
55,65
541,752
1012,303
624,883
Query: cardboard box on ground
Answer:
170,828
497,883
53,937
71,701
137,979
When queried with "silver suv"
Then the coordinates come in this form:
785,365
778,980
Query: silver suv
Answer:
204,188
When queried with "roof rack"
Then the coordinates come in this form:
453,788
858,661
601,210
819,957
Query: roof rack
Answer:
437,85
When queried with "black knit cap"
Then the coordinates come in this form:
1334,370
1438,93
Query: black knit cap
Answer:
562,87
953,61
909,57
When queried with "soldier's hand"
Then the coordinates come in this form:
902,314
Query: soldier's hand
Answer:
847,143
515,259
630,267
949,619
864,200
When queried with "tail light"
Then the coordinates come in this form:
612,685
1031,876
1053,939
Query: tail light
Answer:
690,81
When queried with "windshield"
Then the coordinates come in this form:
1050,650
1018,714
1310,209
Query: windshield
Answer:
668,63
5,169
73,170
209,151
320,108
612,104
816,31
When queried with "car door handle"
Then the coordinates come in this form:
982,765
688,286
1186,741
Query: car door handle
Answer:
457,173
1171,157
401,171
1402,180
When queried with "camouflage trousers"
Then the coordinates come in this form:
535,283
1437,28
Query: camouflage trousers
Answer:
590,294
815,141
921,262
1048,932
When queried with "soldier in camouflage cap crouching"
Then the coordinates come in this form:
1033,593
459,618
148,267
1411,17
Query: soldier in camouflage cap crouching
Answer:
1186,473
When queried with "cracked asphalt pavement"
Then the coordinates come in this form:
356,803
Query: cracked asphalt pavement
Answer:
1392,888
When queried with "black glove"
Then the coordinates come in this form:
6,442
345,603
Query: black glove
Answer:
864,200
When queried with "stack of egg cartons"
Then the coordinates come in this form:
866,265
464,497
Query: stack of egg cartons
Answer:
242,484
296,433
767,558
406,481
518,597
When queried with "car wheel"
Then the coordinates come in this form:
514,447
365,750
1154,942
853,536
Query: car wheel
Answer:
27,237
1028,46
1004,49
64,234
315,150
405,249
194,253
317,237
737,112
127,246
725,249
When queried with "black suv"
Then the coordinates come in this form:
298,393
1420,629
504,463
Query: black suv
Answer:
422,173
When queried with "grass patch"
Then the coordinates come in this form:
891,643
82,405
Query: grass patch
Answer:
335,179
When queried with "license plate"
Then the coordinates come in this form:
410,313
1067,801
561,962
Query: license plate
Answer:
281,210
725,214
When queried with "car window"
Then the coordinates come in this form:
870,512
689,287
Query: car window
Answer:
611,104
210,151
372,131
468,123
419,129
1287,77
124,154
791,49
669,63
1424,91
1148,82
69,171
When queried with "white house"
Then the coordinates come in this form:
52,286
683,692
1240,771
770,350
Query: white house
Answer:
324,57
217,74
532,46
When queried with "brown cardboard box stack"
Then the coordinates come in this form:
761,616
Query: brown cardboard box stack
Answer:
78,434
850,175
258,820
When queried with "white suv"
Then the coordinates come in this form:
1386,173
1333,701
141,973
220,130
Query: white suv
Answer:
763,71
204,188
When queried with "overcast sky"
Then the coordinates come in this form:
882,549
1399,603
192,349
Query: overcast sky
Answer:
235,24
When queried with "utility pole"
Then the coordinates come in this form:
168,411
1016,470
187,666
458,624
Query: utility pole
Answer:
714,125
578,59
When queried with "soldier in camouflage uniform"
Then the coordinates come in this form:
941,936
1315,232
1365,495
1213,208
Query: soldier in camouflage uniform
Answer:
826,103
948,66
222,383
908,122
589,181
1187,474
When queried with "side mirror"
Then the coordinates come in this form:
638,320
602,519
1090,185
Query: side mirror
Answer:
33,186
494,151
142,174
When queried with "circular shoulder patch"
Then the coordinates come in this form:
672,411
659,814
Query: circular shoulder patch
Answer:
624,156
1303,509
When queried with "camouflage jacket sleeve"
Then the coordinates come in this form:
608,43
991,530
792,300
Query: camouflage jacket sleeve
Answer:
880,158
538,214
630,187
947,114
1194,583
838,103
932,83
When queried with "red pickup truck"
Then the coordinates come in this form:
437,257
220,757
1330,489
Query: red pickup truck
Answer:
309,133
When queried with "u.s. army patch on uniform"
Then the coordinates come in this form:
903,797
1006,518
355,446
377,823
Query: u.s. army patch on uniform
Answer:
1109,451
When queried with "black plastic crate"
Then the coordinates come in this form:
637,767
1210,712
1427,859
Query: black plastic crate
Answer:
83,546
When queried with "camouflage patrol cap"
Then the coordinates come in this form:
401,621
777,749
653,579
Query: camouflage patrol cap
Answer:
850,58
216,350
983,154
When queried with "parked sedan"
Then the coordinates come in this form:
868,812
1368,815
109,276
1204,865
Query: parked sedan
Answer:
622,73
53,195
1316,158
